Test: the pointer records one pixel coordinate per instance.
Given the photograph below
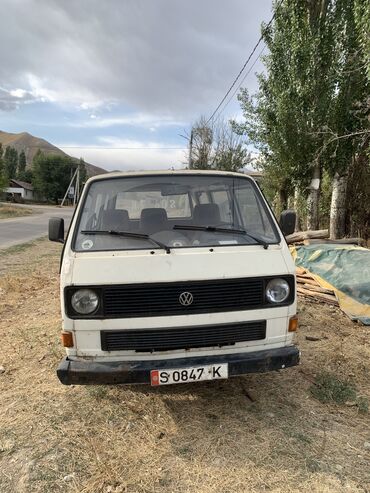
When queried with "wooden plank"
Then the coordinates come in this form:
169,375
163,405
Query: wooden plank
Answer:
342,241
318,289
306,235
307,281
300,270
305,276
318,296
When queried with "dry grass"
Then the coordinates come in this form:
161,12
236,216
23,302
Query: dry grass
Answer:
208,438
10,211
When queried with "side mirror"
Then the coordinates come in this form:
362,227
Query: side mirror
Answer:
287,221
56,229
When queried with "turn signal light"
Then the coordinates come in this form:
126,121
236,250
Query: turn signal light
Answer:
67,339
293,324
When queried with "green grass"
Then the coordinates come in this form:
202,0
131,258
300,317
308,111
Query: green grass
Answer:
329,388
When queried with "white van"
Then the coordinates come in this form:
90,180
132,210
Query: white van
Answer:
175,276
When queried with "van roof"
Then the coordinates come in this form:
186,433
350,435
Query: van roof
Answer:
117,174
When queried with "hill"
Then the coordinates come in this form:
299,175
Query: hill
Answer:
30,145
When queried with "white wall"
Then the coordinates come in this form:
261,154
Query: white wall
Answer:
25,194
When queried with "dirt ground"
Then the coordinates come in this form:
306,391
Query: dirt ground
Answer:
258,433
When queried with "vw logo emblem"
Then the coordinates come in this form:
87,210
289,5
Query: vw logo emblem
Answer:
186,298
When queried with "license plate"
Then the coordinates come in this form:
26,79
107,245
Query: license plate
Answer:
190,374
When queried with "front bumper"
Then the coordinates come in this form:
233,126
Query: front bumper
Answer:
82,372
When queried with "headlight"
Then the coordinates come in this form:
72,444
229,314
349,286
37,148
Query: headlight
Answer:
84,301
277,290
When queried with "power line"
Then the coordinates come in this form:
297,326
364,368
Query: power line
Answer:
241,82
244,66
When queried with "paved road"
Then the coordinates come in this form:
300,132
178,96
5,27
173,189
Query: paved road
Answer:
28,228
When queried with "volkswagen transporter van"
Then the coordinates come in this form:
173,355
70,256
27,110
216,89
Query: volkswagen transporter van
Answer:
174,276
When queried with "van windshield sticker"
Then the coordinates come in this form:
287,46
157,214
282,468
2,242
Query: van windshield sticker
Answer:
87,244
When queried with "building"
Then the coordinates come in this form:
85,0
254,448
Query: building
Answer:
20,190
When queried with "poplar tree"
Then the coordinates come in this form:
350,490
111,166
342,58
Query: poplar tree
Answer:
10,162
348,133
309,114
2,172
21,164
284,119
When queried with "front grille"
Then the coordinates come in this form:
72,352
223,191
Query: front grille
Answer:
182,337
163,299
148,300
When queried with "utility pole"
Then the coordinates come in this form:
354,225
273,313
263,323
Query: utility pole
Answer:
191,150
78,183
77,186
69,186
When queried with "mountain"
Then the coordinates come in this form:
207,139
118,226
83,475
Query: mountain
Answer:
30,145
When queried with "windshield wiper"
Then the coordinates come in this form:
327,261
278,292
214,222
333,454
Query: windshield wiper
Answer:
214,229
127,234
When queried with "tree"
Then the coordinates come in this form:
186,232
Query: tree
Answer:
26,176
362,20
217,147
10,162
21,165
307,95
284,118
200,145
2,171
83,172
349,133
51,175
230,152
358,198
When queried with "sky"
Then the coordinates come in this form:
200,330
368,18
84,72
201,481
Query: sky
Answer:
120,82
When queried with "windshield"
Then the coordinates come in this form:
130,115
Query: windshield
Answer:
177,211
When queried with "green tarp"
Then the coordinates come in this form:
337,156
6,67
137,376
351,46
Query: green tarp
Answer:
343,268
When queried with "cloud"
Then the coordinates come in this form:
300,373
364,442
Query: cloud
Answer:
10,100
134,119
39,90
117,142
18,93
157,57
124,154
